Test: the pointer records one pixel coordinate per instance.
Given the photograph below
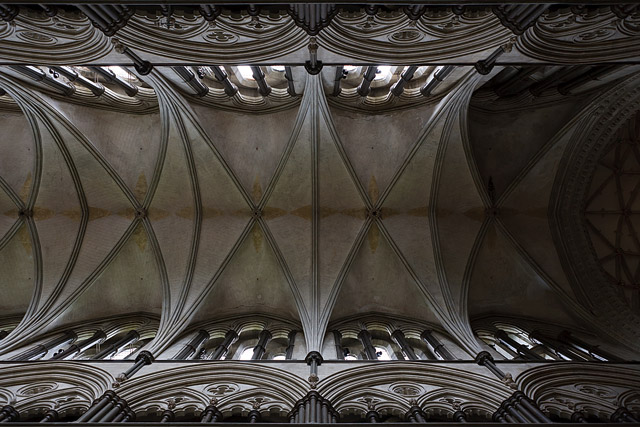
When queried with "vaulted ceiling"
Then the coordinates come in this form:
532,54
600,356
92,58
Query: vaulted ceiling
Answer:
314,207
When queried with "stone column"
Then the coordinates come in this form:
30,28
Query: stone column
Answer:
97,405
291,345
484,358
578,417
229,338
50,416
337,338
437,346
42,349
168,416
254,416
560,347
144,358
459,416
99,335
530,406
416,415
401,340
211,414
192,346
372,416
261,347
364,87
365,337
566,336
622,415
522,350
8,414
131,337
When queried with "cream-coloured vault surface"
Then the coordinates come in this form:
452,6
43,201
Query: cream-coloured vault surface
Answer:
309,207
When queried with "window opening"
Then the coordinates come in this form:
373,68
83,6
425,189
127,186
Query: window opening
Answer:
123,353
382,353
246,354
245,72
382,72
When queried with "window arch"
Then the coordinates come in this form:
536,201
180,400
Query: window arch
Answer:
540,342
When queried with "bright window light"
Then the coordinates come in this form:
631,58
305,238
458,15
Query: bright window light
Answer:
503,352
382,354
123,353
121,72
279,357
245,72
349,68
279,68
382,72
350,357
246,354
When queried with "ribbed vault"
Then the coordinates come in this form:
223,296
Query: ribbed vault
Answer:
310,210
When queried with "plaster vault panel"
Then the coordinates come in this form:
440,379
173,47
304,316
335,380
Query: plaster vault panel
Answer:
311,211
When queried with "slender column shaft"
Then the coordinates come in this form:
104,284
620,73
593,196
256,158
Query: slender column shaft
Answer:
365,337
405,77
292,343
525,412
325,412
399,337
578,417
522,350
110,402
129,338
288,74
515,413
51,415
117,408
167,416
261,347
460,416
80,347
263,88
364,89
229,88
40,76
192,346
532,407
144,358
223,348
96,88
438,77
560,347
566,336
110,76
254,416
337,80
337,338
437,346
372,416
42,349
486,65
312,408
98,404
190,78
484,359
